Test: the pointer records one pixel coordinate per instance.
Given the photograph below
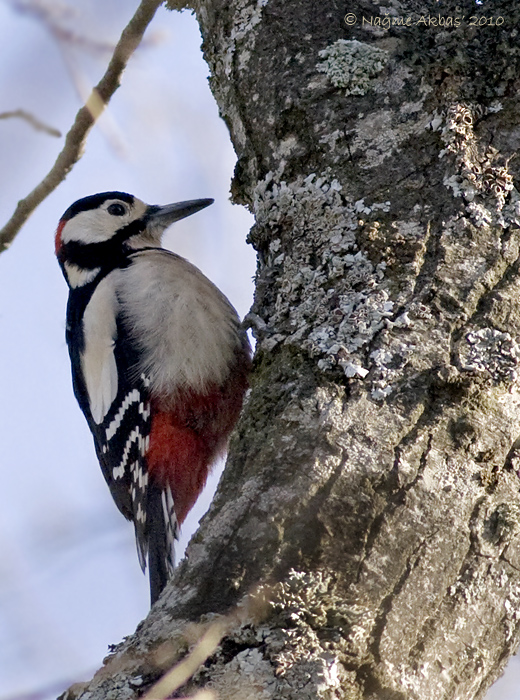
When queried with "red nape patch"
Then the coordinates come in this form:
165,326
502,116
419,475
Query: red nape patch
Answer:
57,237
179,457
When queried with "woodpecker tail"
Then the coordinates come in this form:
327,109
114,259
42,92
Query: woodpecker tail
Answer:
162,533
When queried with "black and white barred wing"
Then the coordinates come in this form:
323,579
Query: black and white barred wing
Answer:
122,443
115,398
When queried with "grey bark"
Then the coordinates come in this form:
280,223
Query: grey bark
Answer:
371,497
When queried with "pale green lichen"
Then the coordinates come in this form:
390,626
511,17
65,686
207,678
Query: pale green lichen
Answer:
481,178
329,302
352,65
492,351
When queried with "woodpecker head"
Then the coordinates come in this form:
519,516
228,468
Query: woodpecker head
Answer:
97,232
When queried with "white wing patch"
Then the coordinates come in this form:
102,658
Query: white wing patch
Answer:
98,361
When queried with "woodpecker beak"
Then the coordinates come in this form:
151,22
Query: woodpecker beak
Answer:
162,217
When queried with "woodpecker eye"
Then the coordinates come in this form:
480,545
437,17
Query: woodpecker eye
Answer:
116,209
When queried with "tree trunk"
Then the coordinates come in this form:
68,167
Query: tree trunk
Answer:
371,496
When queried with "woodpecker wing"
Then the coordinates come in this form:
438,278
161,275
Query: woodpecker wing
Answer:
121,440
115,398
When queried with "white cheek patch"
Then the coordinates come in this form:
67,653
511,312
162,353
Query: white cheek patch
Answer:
98,361
91,226
97,225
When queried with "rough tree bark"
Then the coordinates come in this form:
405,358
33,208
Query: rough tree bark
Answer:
372,491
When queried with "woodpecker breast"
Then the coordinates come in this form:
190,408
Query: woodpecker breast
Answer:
185,329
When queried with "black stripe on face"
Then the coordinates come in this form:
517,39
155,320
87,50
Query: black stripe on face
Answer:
94,201
106,254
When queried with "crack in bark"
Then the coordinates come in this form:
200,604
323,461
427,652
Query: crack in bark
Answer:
369,682
509,563
398,498
386,604
472,551
383,191
511,270
430,263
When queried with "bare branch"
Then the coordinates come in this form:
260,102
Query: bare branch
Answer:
32,120
52,15
253,608
85,120
183,671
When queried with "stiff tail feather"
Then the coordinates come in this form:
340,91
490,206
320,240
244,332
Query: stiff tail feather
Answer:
163,530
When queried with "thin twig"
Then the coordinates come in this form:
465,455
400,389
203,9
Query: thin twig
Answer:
253,608
53,16
85,120
32,120
183,671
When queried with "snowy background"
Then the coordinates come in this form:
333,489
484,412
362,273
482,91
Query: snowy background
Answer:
70,583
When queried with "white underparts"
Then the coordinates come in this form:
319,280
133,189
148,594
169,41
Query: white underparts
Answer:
184,327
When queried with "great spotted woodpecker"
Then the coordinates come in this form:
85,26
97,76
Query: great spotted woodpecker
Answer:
159,363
